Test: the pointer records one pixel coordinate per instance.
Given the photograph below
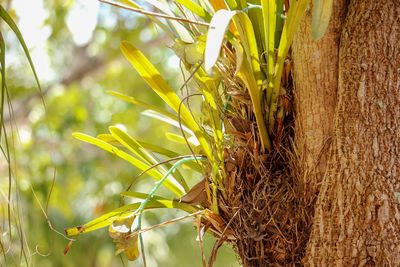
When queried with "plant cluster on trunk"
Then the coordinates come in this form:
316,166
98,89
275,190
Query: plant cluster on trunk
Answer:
298,169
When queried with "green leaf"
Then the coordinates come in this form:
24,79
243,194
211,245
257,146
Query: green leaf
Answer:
322,10
104,220
210,112
269,9
294,17
165,28
239,53
257,21
171,121
249,71
6,17
171,154
195,8
279,22
139,195
154,79
3,79
232,4
171,185
179,139
108,138
124,212
153,148
184,206
159,149
136,102
134,146
181,31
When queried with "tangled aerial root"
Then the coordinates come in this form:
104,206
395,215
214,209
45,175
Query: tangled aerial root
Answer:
263,208
261,201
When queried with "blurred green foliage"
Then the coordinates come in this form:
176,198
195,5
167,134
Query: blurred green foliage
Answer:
87,181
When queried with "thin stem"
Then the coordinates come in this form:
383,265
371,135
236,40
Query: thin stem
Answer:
158,164
154,14
160,182
151,195
168,222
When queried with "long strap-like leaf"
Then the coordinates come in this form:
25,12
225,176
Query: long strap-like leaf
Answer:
295,15
154,79
321,14
6,17
172,185
249,71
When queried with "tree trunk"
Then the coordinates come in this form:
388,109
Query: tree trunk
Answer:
316,82
344,194
315,88
357,218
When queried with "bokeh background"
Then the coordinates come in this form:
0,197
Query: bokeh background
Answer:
74,46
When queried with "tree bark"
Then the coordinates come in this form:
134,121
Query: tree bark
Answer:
357,218
315,88
316,83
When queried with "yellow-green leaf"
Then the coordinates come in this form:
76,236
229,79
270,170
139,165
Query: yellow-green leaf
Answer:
154,79
108,138
121,213
160,23
153,148
269,9
129,142
171,121
144,105
180,139
249,71
195,8
104,220
10,22
172,185
322,10
181,31
183,206
295,15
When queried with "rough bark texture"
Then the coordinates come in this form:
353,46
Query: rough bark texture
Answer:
316,83
357,218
